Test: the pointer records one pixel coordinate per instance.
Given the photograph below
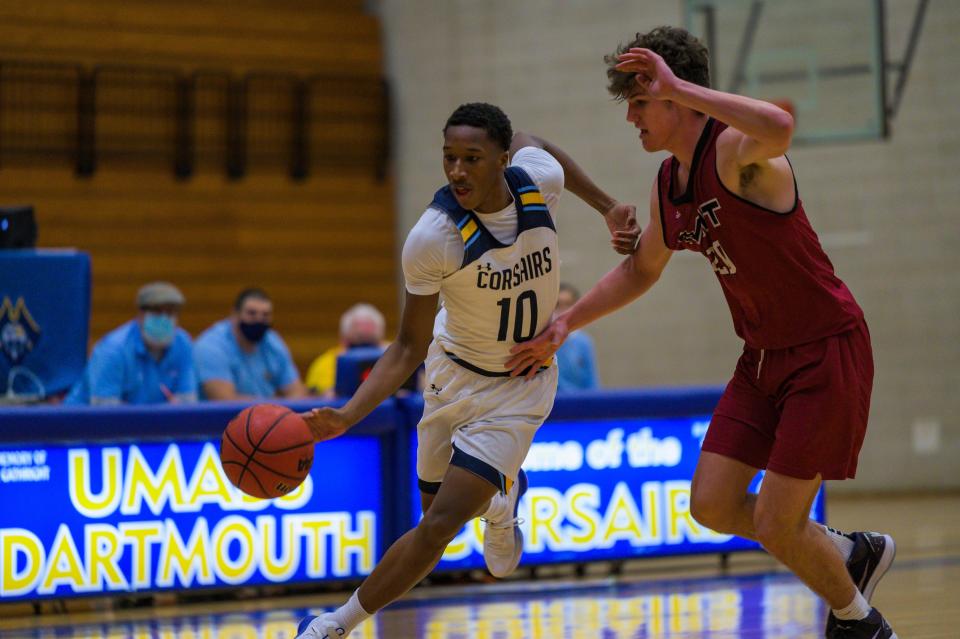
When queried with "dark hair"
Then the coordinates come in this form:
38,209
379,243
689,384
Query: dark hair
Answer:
250,293
684,54
484,116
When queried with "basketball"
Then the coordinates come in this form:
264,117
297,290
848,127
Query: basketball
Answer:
266,450
787,105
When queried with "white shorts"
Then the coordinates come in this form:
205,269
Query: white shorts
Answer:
484,424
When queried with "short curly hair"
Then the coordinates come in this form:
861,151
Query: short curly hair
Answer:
686,56
484,116
250,293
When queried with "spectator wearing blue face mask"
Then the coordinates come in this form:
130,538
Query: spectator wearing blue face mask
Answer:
242,357
148,360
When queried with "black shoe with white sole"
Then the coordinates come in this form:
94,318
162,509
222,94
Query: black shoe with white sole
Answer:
869,561
873,626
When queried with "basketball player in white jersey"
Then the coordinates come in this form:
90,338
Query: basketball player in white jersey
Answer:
486,249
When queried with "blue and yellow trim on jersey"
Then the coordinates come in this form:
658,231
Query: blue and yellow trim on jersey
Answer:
532,199
469,230
532,212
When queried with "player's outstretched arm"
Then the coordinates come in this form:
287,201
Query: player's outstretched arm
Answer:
626,282
621,219
763,130
393,368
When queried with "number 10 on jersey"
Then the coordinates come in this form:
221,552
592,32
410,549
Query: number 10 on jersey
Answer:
524,314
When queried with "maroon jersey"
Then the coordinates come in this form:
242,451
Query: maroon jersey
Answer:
778,281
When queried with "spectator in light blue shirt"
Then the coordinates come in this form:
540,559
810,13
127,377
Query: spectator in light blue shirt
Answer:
148,360
241,357
576,358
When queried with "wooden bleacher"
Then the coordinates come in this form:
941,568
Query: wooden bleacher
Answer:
317,245
297,36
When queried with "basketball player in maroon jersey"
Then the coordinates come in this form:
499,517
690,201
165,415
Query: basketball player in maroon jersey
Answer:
798,401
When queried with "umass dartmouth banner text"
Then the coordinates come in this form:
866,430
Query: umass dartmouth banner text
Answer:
159,516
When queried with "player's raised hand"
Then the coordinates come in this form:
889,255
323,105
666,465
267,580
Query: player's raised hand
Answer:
538,351
621,219
325,423
653,74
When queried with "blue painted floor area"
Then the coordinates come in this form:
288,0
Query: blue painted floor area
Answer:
763,606
671,599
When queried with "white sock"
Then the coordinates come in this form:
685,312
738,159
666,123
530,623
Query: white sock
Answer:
858,609
843,543
350,614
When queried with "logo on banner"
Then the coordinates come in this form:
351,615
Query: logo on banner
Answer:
18,330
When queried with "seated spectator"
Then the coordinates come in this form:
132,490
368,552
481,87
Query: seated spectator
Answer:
362,325
148,360
576,358
241,357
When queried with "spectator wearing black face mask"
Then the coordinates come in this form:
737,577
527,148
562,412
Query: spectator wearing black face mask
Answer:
361,325
241,357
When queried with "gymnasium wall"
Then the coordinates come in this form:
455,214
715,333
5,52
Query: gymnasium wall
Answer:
317,243
885,210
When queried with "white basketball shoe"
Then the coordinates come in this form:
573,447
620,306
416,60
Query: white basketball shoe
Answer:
502,538
322,627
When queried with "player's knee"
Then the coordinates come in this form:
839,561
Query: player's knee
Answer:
709,511
774,530
438,529
702,510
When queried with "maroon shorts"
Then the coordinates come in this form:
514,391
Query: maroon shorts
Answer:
798,411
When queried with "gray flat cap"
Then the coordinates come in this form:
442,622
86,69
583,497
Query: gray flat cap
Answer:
159,294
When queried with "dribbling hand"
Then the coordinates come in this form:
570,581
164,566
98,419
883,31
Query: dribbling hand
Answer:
325,423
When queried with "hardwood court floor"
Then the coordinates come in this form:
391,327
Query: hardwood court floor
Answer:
685,597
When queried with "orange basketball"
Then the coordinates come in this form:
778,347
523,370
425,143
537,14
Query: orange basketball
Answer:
267,450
